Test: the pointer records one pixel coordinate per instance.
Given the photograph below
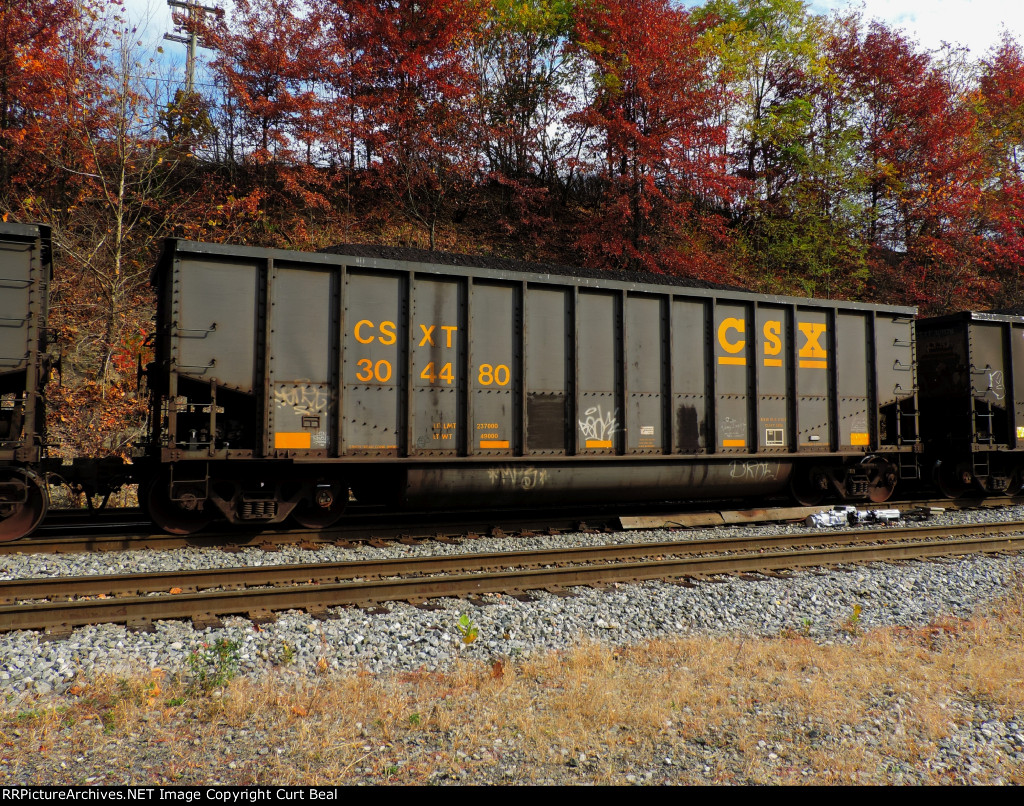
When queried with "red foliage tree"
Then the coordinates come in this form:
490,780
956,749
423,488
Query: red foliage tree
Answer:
658,140
345,72
268,60
417,102
922,166
36,40
1001,111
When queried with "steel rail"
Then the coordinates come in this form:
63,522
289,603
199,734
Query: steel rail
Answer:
360,528
317,598
411,526
321,573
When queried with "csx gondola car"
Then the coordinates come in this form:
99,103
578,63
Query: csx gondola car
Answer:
25,256
284,380
971,370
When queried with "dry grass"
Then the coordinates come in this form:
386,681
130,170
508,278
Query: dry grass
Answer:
782,710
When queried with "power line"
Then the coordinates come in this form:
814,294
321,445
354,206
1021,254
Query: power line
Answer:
195,14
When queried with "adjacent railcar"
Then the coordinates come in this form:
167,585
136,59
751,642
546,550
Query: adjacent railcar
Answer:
283,380
25,256
971,368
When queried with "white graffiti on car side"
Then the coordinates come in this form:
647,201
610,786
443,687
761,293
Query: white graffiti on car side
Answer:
599,426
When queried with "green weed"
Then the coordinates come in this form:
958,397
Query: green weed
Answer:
467,629
215,664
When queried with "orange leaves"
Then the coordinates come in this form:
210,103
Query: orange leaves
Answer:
657,116
152,689
95,419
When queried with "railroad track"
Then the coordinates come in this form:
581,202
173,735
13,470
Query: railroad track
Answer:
70,536
363,528
206,595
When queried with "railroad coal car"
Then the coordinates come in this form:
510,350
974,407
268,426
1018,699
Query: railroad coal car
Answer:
25,256
283,380
971,375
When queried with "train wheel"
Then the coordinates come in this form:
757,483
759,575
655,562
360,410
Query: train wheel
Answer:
952,481
21,518
809,487
185,516
882,484
325,510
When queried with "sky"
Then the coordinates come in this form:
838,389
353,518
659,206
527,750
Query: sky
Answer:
975,24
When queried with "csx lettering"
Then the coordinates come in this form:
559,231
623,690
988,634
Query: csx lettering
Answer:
737,346
428,334
387,332
812,354
731,324
812,348
772,342
772,338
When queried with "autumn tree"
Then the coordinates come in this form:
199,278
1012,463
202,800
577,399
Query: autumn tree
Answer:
526,71
266,62
921,164
767,51
418,103
125,183
346,75
187,125
655,119
35,36
1001,116
786,142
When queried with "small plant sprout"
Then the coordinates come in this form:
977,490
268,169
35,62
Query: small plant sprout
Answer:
467,629
853,621
215,664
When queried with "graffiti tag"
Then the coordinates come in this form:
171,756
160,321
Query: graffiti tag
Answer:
754,471
995,384
525,478
301,399
598,426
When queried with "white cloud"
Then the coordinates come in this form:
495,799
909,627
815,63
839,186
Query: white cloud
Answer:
156,14
975,24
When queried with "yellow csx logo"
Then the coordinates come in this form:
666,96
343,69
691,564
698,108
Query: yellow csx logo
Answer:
366,332
731,338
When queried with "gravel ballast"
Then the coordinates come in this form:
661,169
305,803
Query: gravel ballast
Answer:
818,604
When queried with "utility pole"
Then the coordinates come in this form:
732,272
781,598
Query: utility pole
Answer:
193,13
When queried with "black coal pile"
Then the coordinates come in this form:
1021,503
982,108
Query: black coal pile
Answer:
506,264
